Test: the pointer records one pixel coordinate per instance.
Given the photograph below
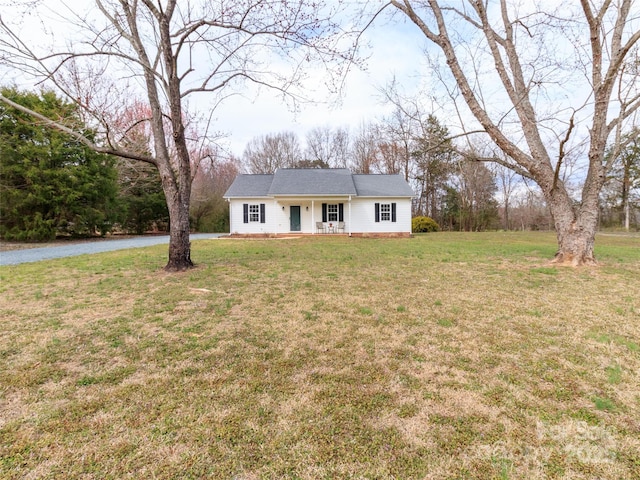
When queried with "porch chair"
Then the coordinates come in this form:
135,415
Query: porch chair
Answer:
340,226
319,227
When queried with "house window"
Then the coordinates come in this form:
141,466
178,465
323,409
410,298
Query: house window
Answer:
385,212
254,213
332,212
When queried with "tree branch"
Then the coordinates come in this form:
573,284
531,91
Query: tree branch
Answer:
556,174
495,159
78,136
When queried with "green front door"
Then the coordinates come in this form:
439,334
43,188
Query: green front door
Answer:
294,212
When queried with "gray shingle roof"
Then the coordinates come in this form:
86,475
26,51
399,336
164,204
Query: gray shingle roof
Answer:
312,181
318,182
382,186
246,185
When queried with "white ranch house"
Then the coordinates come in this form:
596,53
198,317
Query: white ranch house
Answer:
319,201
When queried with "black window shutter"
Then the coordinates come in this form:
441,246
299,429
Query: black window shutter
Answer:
245,210
324,212
341,212
377,212
262,216
393,212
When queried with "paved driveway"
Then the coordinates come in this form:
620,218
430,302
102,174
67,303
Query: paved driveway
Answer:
14,257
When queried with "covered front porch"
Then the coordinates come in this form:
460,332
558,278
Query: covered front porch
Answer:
316,216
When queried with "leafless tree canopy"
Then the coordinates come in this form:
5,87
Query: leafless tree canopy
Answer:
328,145
269,152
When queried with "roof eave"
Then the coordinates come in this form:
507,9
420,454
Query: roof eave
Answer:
317,195
386,196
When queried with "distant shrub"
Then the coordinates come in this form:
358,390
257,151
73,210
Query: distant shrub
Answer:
424,224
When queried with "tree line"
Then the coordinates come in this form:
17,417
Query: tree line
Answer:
456,192
53,185
452,183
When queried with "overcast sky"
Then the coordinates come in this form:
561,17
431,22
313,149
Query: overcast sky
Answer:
395,52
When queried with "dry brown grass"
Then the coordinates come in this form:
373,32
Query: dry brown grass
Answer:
441,356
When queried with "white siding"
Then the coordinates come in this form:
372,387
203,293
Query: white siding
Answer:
363,216
360,218
277,218
310,213
236,216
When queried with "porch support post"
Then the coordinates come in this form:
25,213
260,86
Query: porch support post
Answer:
275,213
313,218
349,227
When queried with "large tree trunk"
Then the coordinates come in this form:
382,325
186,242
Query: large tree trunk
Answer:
178,200
179,244
575,245
575,230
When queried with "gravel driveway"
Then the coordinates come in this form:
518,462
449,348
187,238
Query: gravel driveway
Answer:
14,257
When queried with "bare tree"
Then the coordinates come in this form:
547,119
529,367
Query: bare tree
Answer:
507,181
166,52
365,149
529,210
423,146
328,146
619,196
341,147
209,210
630,181
392,157
476,188
584,47
399,135
267,153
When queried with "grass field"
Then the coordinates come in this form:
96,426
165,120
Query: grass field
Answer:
441,356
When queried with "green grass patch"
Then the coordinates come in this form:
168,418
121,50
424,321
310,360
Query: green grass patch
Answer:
603,403
446,322
616,339
614,374
447,355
